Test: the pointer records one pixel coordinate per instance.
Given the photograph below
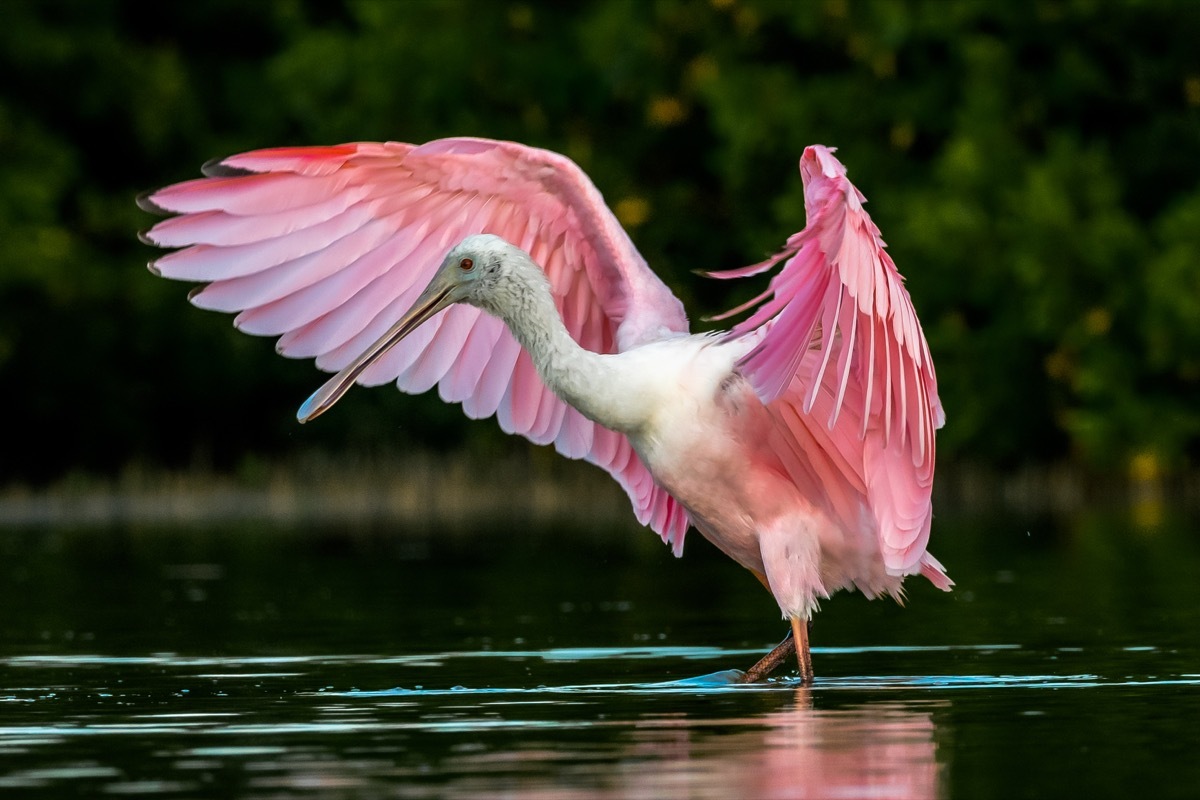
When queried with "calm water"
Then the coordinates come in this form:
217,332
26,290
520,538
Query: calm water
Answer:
262,662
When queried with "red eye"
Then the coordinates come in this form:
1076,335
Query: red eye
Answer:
466,265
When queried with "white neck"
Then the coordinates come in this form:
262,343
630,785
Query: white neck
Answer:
602,387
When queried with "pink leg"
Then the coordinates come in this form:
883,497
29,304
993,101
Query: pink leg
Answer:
803,655
772,660
795,642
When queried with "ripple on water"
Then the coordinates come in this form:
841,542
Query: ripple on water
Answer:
296,724
234,669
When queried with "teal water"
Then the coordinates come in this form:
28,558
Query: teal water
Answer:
258,661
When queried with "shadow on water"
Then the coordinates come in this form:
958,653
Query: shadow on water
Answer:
325,663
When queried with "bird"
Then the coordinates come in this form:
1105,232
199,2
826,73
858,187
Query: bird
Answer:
800,441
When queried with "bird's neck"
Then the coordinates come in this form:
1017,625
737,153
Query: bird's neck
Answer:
602,387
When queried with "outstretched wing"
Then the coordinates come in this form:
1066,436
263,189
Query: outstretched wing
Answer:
326,247
843,363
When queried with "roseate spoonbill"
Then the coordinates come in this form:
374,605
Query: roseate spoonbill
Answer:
800,443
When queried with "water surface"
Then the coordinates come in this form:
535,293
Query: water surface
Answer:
261,661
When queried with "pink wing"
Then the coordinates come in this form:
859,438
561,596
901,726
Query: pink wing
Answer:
326,247
843,363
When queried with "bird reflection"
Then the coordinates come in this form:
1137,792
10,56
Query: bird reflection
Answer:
884,750
881,751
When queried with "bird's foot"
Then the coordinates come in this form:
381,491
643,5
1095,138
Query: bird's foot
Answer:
772,660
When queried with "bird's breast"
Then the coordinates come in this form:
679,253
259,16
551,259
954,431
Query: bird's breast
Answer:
706,444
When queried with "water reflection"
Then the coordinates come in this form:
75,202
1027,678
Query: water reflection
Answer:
873,751
794,750
171,726
232,663
167,725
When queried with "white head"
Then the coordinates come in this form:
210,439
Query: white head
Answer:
482,270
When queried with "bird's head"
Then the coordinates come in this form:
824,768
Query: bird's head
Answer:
476,271
473,270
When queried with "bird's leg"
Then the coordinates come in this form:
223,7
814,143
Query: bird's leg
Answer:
778,655
772,660
803,655
795,642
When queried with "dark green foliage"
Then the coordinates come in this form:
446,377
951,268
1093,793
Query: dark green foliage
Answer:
1034,166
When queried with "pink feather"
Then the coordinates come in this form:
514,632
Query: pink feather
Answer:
835,310
327,246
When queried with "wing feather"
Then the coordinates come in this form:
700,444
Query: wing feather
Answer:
432,365
304,306
835,316
465,375
325,247
575,437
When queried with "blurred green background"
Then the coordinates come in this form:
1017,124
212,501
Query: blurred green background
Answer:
1034,167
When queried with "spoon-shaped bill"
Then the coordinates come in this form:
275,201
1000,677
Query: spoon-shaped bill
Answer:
432,300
